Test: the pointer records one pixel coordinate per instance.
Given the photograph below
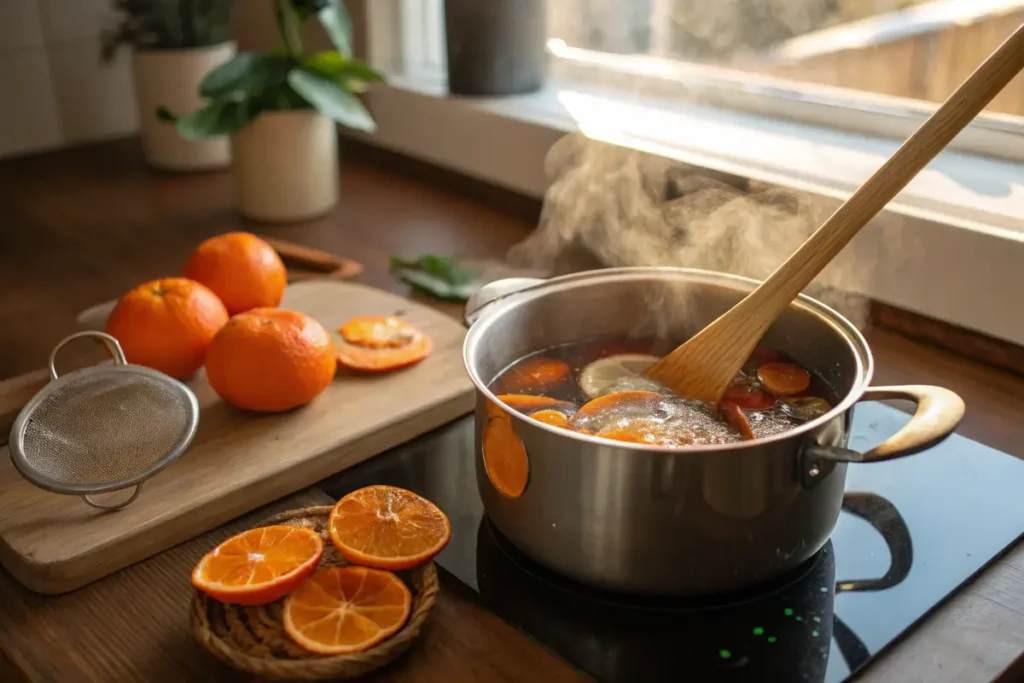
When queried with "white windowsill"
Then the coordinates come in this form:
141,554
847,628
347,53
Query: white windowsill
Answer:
950,246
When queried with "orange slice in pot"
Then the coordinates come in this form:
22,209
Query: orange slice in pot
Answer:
747,396
529,404
735,416
505,461
602,376
551,417
388,528
784,379
380,344
622,400
258,566
535,374
341,610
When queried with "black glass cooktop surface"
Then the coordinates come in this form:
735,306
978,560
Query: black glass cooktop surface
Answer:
911,533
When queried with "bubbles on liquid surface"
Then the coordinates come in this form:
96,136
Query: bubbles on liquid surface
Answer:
638,410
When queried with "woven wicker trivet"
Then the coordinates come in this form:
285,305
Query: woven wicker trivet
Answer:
252,639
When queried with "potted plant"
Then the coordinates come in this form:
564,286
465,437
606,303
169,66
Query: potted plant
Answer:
280,109
174,44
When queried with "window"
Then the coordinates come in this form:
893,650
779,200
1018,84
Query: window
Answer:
807,94
870,66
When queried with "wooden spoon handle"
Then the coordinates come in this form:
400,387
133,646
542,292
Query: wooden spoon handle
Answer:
705,365
775,294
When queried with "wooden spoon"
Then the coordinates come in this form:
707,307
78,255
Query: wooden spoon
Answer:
705,366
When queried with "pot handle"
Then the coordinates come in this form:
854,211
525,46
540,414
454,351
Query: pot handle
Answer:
493,292
938,413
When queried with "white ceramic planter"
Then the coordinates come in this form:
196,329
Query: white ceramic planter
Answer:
171,78
286,166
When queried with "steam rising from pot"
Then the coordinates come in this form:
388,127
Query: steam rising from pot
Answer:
612,206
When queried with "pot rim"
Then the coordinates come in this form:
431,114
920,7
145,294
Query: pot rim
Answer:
843,327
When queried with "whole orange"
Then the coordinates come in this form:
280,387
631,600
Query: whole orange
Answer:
167,324
240,268
270,359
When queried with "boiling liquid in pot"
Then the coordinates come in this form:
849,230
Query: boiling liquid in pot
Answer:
572,386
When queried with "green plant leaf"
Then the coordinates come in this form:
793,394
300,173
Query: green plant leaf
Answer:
220,117
166,24
289,23
332,65
281,98
332,100
439,276
304,8
246,72
335,20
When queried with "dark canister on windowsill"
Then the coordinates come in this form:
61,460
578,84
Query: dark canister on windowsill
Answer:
495,47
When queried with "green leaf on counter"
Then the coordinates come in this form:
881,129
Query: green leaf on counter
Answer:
439,276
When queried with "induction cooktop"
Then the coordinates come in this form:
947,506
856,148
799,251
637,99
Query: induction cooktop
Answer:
912,531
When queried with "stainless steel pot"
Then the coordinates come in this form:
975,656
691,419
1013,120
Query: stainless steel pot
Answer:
647,519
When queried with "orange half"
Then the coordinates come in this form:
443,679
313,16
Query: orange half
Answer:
258,566
341,610
379,332
380,343
388,528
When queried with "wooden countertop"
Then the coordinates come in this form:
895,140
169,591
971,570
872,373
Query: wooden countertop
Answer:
81,226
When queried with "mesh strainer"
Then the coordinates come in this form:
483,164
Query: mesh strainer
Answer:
102,428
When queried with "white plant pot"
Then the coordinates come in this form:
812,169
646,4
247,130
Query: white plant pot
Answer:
286,166
171,78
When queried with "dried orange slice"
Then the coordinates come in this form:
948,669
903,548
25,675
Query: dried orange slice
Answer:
380,343
341,610
388,528
258,566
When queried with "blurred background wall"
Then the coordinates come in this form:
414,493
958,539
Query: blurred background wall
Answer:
55,91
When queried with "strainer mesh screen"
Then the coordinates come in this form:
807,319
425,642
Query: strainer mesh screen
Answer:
104,428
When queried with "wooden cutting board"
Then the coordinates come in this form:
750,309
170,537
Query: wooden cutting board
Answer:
239,461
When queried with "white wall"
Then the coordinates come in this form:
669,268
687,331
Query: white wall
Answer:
53,89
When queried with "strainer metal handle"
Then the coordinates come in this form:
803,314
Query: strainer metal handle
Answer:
110,342
38,445
114,506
